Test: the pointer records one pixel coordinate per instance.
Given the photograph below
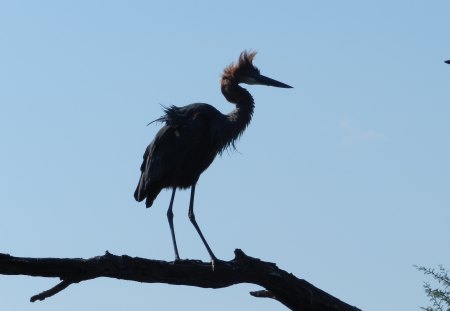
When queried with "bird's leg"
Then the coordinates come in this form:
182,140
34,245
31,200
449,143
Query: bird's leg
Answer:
172,231
192,219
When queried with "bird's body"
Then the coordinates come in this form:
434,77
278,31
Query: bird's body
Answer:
192,137
183,148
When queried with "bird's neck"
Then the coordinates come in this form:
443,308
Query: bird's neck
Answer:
239,118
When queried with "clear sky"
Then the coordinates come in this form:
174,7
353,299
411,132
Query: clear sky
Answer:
343,180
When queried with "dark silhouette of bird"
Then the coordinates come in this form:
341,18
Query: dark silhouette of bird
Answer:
447,62
192,137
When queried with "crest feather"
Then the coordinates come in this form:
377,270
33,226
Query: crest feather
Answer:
244,62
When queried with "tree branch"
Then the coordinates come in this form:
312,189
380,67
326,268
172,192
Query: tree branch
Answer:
52,291
294,293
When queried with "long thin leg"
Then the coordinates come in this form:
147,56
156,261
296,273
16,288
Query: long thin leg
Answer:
172,231
192,218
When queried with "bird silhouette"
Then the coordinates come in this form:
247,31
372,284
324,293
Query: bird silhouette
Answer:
193,135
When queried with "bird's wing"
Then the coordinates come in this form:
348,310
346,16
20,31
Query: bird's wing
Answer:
156,163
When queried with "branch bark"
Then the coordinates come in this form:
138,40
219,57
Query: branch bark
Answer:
294,293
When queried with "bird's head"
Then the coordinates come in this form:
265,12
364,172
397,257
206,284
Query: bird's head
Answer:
243,71
447,62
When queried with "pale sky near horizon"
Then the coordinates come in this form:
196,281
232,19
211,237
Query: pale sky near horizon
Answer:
343,181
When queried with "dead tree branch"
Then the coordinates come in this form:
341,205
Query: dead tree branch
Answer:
294,293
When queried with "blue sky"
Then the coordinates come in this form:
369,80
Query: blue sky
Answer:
343,180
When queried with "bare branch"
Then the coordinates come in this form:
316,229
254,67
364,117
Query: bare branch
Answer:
294,293
52,291
262,294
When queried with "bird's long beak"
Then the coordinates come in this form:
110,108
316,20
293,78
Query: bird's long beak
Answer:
263,80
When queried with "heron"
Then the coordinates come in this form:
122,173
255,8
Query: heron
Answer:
193,135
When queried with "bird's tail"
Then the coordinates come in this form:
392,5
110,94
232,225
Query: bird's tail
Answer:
149,192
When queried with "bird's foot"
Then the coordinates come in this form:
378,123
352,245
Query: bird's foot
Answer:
214,261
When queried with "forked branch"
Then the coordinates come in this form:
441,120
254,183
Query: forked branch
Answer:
294,293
